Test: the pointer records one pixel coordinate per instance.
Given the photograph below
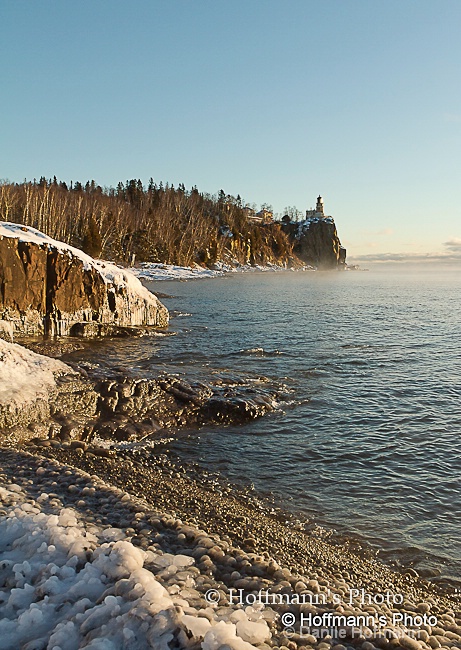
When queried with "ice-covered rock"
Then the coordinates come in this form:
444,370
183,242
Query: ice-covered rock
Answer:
49,286
63,586
53,597
26,381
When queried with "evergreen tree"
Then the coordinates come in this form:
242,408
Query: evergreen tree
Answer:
92,243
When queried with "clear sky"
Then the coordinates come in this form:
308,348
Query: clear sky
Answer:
278,101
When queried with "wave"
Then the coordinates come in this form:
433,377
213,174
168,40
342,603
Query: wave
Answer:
260,352
179,314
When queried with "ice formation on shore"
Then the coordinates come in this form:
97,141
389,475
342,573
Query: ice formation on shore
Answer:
26,376
65,585
86,565
151,272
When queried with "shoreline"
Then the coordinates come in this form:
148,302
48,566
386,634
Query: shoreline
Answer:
148,472
157,272
239,550
160,512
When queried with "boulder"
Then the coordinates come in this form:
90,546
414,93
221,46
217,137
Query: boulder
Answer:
48,287
30,385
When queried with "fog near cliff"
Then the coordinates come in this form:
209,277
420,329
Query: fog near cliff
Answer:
402,264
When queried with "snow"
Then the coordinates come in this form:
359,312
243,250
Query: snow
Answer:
25,375
110,273
150,271
153,272
304,225
63,586
7,329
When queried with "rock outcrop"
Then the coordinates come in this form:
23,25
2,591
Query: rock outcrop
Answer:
32,383
42,397
316,242
47,287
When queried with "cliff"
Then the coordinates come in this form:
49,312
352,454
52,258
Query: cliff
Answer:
47,287
316,242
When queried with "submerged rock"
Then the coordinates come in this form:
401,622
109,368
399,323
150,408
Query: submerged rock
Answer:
48,287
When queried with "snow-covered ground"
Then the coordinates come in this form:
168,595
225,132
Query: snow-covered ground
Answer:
68,584
151,272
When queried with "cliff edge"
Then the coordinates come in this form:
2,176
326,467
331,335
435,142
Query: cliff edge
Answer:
315,239
48,287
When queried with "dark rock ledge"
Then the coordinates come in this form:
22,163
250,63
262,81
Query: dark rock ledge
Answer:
123,409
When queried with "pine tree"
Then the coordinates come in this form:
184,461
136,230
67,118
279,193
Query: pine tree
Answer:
92,243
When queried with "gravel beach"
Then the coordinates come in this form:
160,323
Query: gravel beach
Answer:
250,577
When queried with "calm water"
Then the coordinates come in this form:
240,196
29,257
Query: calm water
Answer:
368,439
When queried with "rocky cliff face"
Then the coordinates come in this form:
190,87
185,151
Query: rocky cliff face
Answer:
316,242
49,287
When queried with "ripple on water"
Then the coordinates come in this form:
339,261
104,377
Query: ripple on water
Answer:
369,440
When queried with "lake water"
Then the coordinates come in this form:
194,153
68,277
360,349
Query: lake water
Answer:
367,440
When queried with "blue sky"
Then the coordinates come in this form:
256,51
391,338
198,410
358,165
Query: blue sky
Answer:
357,100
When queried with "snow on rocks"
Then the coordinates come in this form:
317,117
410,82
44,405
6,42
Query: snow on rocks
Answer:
110,273
150,272
49,286
26,379
26,375
64,587
72,577
153,272
6,330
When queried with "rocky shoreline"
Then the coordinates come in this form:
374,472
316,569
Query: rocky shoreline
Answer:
87,404
249,576
108,542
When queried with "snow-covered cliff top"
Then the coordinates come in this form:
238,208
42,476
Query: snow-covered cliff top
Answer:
305,224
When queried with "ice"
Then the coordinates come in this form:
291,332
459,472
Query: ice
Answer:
66,587
112,534
119,560
6,329
63,603
254,632
183,560
25,375
224,634
197,626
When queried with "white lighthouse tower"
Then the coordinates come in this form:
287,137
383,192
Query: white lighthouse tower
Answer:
318,212
319,206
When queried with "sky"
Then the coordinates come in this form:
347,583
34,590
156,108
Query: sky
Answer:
278,101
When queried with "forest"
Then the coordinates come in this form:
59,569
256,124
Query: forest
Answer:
158,223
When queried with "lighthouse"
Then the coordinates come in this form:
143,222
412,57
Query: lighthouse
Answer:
319,206
318,213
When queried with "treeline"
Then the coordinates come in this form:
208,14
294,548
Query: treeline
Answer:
160,223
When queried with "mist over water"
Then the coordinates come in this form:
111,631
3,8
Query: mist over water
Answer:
367,439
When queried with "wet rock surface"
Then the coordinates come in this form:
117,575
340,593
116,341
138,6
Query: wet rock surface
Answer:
121,408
